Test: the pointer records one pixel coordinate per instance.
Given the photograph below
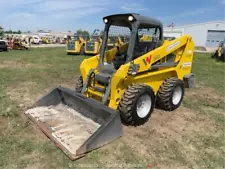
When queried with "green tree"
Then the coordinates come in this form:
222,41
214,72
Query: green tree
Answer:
82,32
79,32
86,33
16,32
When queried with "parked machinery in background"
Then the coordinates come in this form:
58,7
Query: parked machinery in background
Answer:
3,46
93,45
46,40
75,45
219,55
19,44
114,41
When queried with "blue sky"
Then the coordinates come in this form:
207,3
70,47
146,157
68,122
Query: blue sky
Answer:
64,15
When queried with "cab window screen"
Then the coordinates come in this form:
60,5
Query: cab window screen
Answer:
148,34
116,32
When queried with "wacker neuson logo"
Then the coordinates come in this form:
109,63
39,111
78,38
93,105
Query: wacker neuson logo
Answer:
173,46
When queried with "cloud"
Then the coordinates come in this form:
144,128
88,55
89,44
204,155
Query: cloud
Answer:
62,15
133,7
10,5
197,11
54,14
65,5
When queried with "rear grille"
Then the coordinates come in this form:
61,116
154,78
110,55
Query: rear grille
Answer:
71,46
90,46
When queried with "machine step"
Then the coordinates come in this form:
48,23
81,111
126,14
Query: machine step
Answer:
99,89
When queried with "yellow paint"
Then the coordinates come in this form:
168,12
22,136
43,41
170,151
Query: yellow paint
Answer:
146,38
46,40
220,51
97,46
182,48
118,42
78,45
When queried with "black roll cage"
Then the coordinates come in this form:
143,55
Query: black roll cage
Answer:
137,23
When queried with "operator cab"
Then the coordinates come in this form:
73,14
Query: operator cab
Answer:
95,38
144,34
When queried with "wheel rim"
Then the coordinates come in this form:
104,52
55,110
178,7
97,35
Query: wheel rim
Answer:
177,95
144,104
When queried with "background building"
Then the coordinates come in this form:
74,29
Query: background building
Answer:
207,34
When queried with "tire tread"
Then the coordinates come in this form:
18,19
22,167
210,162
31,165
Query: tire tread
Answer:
79,85
128,100
165,91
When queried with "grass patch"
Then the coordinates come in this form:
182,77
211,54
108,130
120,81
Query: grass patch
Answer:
210,76
45,68
206,108
27,74
209,72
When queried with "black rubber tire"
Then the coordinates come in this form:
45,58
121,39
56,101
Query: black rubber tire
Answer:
79,85
165,94
128,104
82,50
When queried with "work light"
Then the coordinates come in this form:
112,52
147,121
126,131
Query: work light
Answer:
130,18
106,20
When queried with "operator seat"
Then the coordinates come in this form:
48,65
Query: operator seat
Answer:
108,70
120,59
143,47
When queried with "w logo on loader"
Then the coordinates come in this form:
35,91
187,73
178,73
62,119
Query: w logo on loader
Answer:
147,60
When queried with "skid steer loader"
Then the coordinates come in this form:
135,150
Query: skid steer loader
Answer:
114,41
118,85
146,38
93,45
19,44
46,40
219,55
76,45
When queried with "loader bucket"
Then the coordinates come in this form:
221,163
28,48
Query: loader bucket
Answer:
75,123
